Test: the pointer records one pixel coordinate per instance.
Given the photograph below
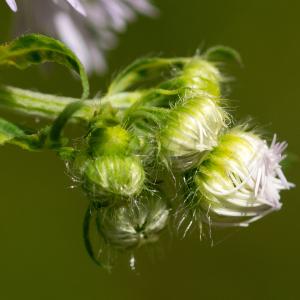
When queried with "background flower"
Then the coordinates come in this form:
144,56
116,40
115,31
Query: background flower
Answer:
90,29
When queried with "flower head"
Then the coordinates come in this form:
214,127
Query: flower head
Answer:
241,179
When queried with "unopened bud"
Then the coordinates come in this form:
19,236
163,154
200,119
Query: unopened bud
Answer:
134,225
109,169
113,176
191,129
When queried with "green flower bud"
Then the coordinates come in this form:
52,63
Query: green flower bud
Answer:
108,169
190,130
132,226
240,180
199,75
109,140
113,176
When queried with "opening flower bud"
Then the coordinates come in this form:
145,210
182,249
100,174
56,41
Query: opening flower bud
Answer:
132,226
240,180
191,129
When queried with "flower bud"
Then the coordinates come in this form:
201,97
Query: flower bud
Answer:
202,76
191,129
109,169
132,226
240,180
109,140
113,176
198,76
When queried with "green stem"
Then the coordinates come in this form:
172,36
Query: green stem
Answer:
50,106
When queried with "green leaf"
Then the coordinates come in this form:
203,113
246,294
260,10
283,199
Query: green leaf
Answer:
12,134
145,70
9,131
223,53
35,49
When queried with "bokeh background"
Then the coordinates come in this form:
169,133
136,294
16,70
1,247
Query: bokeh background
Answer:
42,255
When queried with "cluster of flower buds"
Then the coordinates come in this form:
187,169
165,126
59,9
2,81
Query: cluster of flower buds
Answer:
174,149
160,147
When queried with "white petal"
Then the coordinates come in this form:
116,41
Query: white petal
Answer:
78,6
70,35
12,4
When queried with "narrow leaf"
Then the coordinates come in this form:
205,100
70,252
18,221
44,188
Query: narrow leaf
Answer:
223,53
35,49
12,134
144,70
9,131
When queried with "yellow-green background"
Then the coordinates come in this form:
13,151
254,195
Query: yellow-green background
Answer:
42,255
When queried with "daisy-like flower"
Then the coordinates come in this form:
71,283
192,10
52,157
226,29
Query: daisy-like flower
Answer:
241,179
89,29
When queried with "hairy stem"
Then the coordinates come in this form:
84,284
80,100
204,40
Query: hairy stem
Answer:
50,106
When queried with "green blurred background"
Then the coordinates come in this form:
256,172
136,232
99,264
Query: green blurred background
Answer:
42,255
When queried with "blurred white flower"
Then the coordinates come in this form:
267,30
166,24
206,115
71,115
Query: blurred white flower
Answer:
12,4
89,29
75,3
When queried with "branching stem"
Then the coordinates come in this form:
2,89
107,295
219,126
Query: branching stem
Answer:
50,106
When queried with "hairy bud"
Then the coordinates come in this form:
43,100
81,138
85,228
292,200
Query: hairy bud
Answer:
109,170
191,129
133,225
201,76
113,175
